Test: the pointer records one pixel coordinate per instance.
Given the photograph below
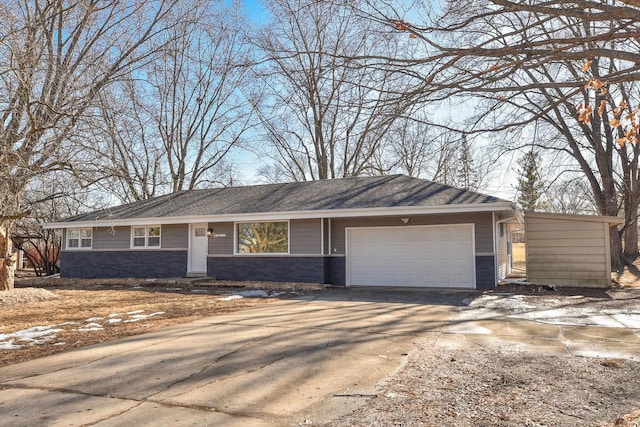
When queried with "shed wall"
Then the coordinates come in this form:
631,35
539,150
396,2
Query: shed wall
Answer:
569,252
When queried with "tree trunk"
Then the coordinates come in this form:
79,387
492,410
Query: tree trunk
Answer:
7,259
6,276
617,256
631,242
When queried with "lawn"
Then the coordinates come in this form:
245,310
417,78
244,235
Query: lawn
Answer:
85,312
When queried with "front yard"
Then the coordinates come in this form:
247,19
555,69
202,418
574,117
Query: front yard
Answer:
47,316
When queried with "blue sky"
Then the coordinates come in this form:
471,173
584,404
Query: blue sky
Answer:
255,9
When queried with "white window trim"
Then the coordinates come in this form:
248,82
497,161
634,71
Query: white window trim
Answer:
79,248
235,239
146,237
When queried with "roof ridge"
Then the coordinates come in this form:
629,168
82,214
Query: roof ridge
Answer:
311,181
360,192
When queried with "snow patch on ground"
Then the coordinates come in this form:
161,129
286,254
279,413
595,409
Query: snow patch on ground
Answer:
138,317
43,334
30,336
516,303
569,311
257,293
91,326
230,298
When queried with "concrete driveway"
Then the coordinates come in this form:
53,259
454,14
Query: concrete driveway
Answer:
292,362
296,361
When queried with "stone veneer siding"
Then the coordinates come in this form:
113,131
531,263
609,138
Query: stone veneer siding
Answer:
120,264
309,269
335,270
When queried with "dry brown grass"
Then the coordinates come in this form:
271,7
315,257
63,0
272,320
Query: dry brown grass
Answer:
629,276
630,420
80,300
518,252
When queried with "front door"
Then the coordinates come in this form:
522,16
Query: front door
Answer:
198,248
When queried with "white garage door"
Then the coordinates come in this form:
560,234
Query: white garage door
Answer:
428,256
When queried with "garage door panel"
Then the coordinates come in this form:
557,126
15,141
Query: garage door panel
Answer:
429,256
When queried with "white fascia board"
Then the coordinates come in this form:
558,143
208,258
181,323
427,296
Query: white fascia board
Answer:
274,216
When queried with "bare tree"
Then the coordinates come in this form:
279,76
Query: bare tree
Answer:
126,155
571,196
172,124
568,67
51,197
55,58
195,99
323,117
428,150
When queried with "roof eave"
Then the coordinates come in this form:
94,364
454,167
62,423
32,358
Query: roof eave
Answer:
611,220
285,215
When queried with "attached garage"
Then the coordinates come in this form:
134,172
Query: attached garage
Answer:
420,256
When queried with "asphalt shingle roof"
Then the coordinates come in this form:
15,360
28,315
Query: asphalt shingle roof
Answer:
348,193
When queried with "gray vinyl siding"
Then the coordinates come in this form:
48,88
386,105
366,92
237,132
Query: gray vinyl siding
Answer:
483,227
119,238
175,236
567,251
111,238
305,237
221,245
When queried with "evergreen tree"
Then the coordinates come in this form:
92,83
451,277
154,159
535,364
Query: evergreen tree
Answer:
530,183
466,174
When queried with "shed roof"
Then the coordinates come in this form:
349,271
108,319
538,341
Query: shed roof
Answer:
611,220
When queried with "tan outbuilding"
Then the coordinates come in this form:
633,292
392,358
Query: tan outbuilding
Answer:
568,250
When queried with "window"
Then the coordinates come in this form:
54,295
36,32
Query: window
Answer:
79,238
145,237
263,238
